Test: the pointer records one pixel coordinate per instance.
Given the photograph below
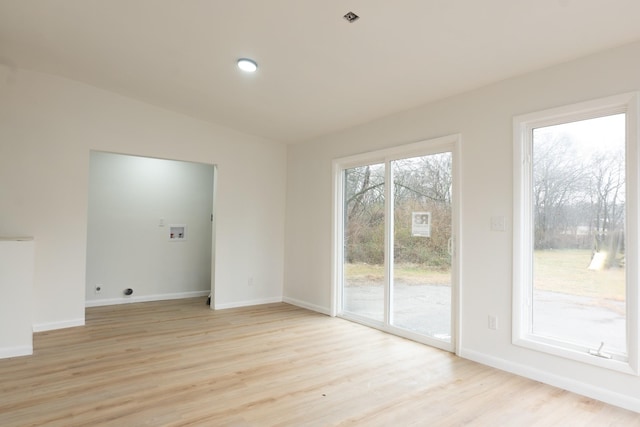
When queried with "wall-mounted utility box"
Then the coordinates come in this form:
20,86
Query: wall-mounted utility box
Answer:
177,232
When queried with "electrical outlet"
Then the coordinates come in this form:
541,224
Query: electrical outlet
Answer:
493,322
98,289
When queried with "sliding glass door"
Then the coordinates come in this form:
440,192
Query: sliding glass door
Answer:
422,243
396,235
364,225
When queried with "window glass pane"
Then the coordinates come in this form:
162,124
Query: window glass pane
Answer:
363,278
421,297
578,204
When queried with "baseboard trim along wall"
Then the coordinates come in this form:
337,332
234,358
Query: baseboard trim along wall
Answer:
306,305
23,350
247,303
51,326
578,387
146,298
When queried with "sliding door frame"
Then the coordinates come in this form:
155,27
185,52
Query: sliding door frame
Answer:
450,143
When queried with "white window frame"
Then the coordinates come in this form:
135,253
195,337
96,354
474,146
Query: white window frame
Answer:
523,126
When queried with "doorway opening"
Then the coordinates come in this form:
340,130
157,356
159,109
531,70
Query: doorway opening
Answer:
150,229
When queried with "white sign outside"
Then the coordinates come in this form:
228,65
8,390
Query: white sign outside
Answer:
421,224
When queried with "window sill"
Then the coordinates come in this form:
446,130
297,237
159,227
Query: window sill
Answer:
548,346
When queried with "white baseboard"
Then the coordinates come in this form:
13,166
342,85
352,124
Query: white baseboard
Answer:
50,326
579,387
23,350
247,303
145,298
307,305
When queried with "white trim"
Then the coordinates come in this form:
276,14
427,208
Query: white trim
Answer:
306,305
52,326
449,143
456,258
632,229
214,226
146,298
337,228
23,350
523,125
414,149
248,303
389,250
580,111
567,351
403,333
579,387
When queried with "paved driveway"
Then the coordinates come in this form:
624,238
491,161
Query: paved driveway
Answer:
426,309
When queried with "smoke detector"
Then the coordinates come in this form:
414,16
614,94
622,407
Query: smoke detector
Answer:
351,17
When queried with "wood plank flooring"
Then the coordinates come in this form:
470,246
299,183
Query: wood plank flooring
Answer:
177,363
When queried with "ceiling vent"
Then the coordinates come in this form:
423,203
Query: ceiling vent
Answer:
351,17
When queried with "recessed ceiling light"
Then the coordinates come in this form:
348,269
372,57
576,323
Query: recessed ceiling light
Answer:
351,17
247,65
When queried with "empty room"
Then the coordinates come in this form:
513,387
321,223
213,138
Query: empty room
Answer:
286,213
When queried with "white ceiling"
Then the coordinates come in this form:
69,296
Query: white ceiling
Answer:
318,73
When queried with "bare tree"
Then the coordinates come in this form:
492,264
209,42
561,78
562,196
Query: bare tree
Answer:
559,181
575,189
419,184
364,214
423,178
607,185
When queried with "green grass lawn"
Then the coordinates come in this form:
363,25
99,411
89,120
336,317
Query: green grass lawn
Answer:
566,271
408,273
554,270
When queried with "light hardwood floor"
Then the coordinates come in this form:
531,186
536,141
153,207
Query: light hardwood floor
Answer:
177,363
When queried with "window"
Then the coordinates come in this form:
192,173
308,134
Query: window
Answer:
576,233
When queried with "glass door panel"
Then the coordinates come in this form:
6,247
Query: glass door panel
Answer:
396,234
363,287
420,288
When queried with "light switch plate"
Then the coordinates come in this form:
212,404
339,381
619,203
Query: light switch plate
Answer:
493,322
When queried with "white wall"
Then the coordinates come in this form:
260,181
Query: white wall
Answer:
132,203
16,290
484,119
49,125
